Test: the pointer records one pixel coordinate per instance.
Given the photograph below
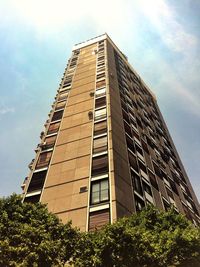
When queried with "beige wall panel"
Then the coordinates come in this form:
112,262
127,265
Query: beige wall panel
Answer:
82,88
85,69
78,217
79,98
66,196
75,120
72,150
83,81
84,75
75,133
79,107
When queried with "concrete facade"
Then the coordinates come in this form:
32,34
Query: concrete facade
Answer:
106,151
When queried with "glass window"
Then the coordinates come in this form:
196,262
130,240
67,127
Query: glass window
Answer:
100,102
49,142
57,115
43,160
100,114
133,161
137,183
60,105
100,145
100,92
100,128
100,165
37,181
99,191
53,128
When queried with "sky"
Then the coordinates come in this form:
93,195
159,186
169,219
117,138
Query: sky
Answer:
161,39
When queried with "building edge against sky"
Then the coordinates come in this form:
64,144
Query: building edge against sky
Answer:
105,151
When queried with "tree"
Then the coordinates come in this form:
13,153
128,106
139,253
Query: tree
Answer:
150,238
31,236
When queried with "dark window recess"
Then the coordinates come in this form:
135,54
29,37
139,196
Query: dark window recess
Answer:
169,193
98,218
130,144
125,116
100,102
139,203
127,128
173,186
43,160
139,123
145,147
133,161
49,142
100,128
147,188
165,157
100,145
142,166
137,183
99,191
124,106
167,206
153,180
99,165
139,149
53,128
157,170
57,115
37,181
32,199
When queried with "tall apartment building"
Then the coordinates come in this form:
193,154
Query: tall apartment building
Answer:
106,151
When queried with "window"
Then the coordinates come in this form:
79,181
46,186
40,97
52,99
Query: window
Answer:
98,218
133,161
137,183
100,92
130,144
100,83
53,128
57,115
43,160
147,188
60,105
100,145
32,199
100,102
99,165
100,114
99,191
139,203
153,179
37,181
100,128
49,142
63,96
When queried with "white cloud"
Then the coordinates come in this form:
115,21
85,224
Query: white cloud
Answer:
164,19
5,110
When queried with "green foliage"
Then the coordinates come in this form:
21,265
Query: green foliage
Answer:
31,236
150,238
